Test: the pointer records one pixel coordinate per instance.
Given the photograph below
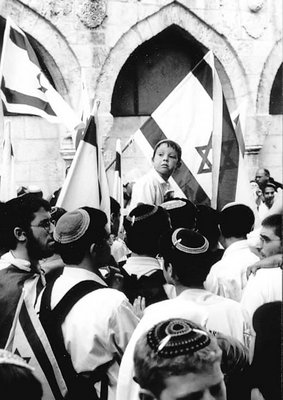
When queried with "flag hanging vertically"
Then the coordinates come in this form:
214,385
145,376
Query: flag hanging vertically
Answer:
86,182
24,87
196,116
8,188
117,192
27,339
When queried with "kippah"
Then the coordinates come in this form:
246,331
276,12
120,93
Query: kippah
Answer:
176,337
172,204
132,217
6,357
189,241
71,226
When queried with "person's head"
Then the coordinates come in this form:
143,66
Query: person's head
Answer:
115,211
81,233
208,224
184,252
268,194
262,176
178,359
236,221
271,235
17,379
143,226
182,213
166,157
26,222
56,213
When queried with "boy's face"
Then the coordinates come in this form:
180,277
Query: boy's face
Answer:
208,384
165,160
270,242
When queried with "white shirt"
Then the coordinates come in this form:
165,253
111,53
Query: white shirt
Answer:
198,305
141,265
263,287
227,277
98,327
149,189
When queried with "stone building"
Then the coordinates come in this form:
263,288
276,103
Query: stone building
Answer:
132,53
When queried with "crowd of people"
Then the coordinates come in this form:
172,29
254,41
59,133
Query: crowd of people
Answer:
180,306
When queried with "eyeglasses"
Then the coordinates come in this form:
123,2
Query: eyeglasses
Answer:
45,224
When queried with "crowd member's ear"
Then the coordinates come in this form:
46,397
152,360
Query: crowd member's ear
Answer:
20,234
179,163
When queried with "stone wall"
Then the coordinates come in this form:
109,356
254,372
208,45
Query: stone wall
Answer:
95,37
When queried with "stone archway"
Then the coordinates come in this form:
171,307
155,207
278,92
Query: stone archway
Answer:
270,68
228,64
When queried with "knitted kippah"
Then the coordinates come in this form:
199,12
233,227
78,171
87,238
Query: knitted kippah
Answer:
189,241
141,212
176,337
71,226
6,357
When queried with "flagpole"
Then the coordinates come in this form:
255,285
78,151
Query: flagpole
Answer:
129,142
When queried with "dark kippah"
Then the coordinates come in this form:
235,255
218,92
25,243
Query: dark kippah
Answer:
176,337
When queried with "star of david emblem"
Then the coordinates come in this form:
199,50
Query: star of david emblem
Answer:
41,88
227,162
27,359
205,165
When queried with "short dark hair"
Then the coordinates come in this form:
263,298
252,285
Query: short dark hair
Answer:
236,220
274,221
191,269
143,226
73,253
170,143
208,223
152,369
18,212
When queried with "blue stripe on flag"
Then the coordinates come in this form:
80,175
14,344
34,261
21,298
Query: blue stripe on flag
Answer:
229,161
203,72
39,351
21,41
183,176
14,97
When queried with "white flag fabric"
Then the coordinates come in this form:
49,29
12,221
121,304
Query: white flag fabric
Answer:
7,184
24,87
86,182
28,340
195,115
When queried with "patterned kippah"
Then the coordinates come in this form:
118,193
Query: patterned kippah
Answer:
141,213
176,337
6,357
71,226
188,241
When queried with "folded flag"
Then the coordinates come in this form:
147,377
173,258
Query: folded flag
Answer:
117,192
24,87
86,182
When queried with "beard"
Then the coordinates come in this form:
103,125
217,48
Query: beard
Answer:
35,250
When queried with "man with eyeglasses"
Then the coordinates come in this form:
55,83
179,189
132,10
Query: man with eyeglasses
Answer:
26,237
266,285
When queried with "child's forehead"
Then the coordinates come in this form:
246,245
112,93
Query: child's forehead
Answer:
165,146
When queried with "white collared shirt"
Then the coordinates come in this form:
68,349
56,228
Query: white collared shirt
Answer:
227,277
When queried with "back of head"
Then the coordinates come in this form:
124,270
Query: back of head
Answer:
274,221
236,220
186,250
182,213
18,212
174,347
208,223
17,380
77,230
143,226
